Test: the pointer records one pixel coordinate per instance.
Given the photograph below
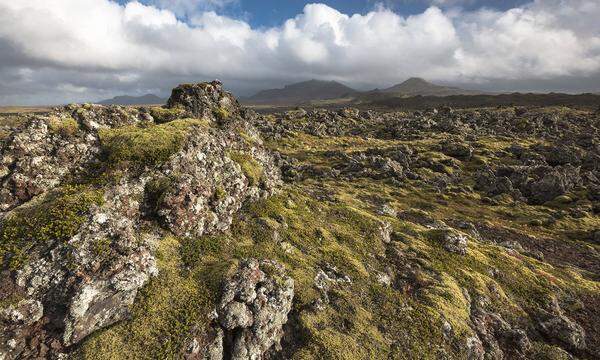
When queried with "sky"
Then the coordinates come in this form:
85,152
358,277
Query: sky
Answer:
61,51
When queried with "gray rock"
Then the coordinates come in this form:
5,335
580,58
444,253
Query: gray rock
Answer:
254,307
454,241
385,231
457,149
565,330
204,101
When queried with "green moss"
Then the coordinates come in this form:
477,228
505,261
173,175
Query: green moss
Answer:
166,312
363,318
56,218
543,351
251,168
146,146
63,126
221,113
220,193
163,115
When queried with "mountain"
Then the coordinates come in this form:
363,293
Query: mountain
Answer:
417,86
302,92
147,99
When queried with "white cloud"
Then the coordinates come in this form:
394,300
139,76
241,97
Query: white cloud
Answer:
53,49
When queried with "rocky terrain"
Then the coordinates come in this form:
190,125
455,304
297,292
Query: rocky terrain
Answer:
203,230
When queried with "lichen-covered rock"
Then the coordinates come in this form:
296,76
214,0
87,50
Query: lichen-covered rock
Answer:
457,149
49,148
385,231
209,179
454,241
80,253
89,281
499,339
564,330
552,184
204,101
254,307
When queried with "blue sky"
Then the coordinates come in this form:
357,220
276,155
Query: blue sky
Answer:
269,13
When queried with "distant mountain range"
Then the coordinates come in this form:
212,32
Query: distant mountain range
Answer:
149,99
302,92
316,90
319,90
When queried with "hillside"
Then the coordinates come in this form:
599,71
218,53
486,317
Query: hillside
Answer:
476,101
203,230
414,87
418,86
302,92
148,99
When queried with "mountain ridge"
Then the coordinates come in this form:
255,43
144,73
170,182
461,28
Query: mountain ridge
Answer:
148,99
302,92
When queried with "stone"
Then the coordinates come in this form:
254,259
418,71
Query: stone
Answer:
253,309
454,241
457,149
92,278
204,101
565,330
385,231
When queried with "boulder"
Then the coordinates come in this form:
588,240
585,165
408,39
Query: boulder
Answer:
457,149
204,101
564,330
453,241
250,317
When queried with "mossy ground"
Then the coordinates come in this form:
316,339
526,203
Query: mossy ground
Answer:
56,217
335,222
145,145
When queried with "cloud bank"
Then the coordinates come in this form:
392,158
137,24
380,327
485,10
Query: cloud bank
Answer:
55,51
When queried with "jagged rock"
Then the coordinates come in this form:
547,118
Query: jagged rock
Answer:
385,231
387,210
206,186
49,148
254,307
498,337
553,184
457,149
454,241
325,278
475,350
204,101
564,330
486,181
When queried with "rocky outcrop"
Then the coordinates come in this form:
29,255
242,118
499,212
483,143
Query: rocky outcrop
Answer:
249,319
98,249
496,338
204,101
50,148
